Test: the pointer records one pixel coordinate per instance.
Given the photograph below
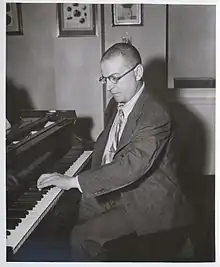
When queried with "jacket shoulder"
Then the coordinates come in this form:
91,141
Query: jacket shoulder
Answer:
154,112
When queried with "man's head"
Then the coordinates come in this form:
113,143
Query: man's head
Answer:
122,71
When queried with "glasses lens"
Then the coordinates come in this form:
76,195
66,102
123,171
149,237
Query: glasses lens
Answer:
113,79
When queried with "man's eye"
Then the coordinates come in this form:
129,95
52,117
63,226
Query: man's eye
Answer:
114,78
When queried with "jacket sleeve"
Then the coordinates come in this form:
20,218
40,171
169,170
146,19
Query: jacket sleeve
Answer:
131,163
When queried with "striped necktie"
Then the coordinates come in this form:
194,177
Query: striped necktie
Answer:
118,128
116,138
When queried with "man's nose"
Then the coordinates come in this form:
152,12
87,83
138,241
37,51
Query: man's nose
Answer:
109,85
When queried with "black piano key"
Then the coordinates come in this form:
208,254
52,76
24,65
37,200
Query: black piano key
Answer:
15,220
46,189
13,209
12,223
21,204
30,198
32,193
17,214
41,192
25,212
17,210
11,226
35,189
26,206
27,201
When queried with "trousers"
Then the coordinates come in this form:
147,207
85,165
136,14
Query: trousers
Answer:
98,223
106,225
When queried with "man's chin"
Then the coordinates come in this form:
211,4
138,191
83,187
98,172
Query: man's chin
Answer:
117,98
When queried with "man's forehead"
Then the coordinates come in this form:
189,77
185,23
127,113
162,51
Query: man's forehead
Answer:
116,62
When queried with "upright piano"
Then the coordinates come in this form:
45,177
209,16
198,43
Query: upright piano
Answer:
41,142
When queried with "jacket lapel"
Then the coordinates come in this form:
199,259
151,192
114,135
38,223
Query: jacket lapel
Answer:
102,140
127,133
132,121
108,127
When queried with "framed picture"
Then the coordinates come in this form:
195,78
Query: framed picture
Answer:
75,19
13,19
127,14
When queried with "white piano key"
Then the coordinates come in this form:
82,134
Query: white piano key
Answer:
29,223
78,163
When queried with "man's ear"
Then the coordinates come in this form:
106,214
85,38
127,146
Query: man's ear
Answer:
139,71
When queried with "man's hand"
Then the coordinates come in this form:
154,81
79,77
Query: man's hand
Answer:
56,179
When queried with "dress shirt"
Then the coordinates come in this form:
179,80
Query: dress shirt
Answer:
126,108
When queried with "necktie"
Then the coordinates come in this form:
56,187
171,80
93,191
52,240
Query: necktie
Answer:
118,129
116,138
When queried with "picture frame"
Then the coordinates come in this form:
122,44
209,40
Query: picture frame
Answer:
76,19
13,19
127,14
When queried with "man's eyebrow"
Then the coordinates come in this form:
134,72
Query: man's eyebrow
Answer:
115,73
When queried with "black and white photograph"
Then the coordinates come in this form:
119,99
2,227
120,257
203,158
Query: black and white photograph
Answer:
109,131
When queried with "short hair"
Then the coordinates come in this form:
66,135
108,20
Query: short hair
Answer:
126,50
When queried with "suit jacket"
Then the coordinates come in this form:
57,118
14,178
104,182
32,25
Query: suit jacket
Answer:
142,172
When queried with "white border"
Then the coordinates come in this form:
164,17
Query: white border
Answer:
2,114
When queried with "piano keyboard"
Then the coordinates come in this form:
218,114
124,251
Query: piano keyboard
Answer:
17,236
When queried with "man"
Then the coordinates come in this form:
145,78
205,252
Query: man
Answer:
131,187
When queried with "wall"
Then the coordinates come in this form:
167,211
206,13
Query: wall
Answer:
191,41
57,73
30,62
202,107
191,44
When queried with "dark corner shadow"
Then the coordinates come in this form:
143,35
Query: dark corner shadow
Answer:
17,98
189,150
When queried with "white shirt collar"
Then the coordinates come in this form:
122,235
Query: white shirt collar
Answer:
128,106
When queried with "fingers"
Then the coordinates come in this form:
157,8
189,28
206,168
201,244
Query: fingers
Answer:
46,180
43,177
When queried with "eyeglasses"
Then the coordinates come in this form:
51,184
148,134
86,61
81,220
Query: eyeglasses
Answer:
113,78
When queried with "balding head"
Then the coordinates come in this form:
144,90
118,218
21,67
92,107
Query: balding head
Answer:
122,71
127,51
